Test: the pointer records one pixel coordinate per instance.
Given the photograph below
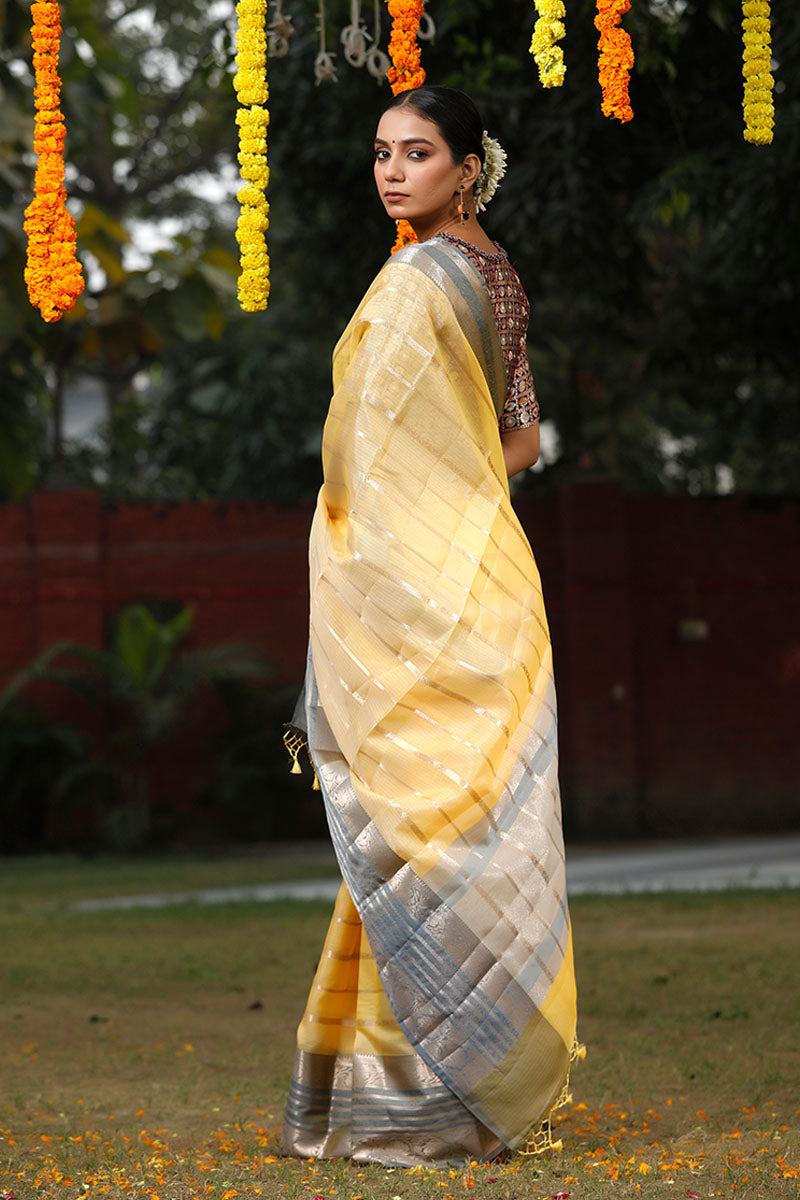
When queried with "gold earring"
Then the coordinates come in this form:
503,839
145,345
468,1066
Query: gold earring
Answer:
463,215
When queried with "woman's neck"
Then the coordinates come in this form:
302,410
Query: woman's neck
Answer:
470,232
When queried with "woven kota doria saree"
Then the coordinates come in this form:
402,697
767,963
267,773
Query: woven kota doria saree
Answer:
441,1020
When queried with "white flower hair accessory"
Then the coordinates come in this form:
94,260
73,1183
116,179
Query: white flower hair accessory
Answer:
494,168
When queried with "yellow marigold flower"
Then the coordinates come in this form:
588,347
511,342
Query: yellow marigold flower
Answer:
253,196
250,83
548,30
757,104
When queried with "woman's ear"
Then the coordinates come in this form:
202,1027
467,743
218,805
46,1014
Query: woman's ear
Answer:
470,169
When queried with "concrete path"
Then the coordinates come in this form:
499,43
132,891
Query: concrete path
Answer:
707,866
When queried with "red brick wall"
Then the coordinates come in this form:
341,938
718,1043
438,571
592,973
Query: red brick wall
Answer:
659,735
69,563
662,735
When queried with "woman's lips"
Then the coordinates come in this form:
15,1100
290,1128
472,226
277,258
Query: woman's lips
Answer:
392,196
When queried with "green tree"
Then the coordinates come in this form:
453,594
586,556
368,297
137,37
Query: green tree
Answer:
661,257
142,134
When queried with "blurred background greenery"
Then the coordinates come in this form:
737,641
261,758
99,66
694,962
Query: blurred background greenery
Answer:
661,257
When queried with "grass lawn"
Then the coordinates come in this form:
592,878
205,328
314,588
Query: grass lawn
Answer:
146,1053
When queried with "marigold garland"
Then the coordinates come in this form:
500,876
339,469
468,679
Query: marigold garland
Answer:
616,59
405,72
53,272
548,30
252,91
759,112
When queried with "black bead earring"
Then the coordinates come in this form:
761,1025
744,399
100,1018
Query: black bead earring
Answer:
463,215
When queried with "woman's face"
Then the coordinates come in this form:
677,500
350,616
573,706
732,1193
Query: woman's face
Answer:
414,170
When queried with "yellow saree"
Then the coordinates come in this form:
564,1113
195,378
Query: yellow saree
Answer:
441,1020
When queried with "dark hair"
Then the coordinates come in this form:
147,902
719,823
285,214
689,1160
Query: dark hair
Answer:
454,114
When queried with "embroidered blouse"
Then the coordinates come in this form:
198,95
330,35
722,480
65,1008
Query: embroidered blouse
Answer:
511,313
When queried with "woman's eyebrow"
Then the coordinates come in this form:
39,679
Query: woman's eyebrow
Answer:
406,142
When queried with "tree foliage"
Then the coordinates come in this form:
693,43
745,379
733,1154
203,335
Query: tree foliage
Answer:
661,257
143,686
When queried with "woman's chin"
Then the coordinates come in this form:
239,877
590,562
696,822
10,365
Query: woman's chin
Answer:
398,210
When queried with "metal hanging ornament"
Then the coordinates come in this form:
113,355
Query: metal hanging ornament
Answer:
377,62
279,30
427,29
324,63
354,37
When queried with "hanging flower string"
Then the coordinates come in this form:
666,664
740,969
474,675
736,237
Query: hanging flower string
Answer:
759,113
53,272
548,30
616,59
405,72
250,82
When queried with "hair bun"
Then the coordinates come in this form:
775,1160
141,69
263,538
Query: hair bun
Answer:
494,168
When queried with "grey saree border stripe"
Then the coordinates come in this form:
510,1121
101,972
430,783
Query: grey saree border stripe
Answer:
366,1113
364,1123
382,1109
473,292
545,757
397,931
369,890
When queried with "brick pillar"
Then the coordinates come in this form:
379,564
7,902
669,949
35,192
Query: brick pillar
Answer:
17,589
596,670
68,589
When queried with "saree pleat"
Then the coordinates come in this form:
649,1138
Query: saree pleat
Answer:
442,1016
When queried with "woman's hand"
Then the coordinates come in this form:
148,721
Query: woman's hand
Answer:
520,448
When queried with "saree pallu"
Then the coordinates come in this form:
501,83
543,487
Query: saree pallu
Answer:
441,1020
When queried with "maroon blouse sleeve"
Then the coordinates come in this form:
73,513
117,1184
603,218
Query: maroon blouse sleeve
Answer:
511,314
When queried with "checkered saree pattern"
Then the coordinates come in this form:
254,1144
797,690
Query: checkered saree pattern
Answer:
442,1015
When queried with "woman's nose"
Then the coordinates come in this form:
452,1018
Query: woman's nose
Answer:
393,167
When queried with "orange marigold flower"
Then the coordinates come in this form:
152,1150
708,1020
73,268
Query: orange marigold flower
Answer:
615,60
53,272
405,72
405,236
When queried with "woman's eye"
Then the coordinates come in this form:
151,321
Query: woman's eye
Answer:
418,155
381,155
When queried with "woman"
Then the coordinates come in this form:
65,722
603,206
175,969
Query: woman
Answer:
441,1021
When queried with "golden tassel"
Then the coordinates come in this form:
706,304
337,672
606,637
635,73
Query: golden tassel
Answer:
540,1139
294,741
